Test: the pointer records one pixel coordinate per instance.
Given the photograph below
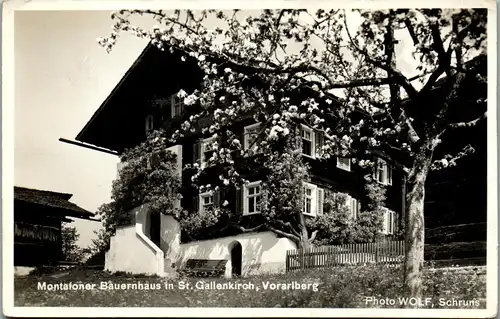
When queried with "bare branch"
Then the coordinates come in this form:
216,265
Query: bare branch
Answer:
440,122
278,232
445,60
313,236
437,41
288,225
389,159
398,76
458,49
411,31
246,230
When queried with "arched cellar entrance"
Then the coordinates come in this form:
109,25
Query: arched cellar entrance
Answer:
236,259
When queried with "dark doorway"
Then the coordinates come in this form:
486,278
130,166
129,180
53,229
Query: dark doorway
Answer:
236,260
154,229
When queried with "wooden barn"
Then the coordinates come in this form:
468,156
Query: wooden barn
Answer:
38,217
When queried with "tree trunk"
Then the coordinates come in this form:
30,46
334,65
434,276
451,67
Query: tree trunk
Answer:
303,245
414,218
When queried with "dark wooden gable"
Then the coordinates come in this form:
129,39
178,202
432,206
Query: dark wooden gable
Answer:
119,123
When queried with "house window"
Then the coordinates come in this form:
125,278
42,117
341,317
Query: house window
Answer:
353,205
252,198
307,135
309,203
382,172
250,139
344,163
207,149
206,201
149,123
389,226
176,105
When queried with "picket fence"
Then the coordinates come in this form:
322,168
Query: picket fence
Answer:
386,252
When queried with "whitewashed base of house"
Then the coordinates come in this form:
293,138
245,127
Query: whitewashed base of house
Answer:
132,251
262,252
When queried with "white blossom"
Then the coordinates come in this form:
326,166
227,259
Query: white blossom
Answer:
190,99
236,142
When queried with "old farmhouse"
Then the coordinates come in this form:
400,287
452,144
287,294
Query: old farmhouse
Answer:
156,244
38,217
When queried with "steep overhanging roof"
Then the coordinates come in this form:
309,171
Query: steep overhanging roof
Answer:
131,69
118,123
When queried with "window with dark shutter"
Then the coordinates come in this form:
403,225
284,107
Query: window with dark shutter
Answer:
196,152
217,196
177,105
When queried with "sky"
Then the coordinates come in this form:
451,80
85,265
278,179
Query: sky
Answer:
62,76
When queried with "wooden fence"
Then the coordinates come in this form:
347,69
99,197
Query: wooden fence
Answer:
386,252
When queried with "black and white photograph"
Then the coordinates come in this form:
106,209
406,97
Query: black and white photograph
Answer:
238,159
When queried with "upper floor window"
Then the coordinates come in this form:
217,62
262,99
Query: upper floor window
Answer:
252,196
344,163
176,105
251,138
307,135
389,225
312,142
149,123
207,149
382,172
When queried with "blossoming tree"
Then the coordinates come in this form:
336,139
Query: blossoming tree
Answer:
380,110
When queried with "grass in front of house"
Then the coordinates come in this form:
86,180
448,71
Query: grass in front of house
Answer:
346,287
